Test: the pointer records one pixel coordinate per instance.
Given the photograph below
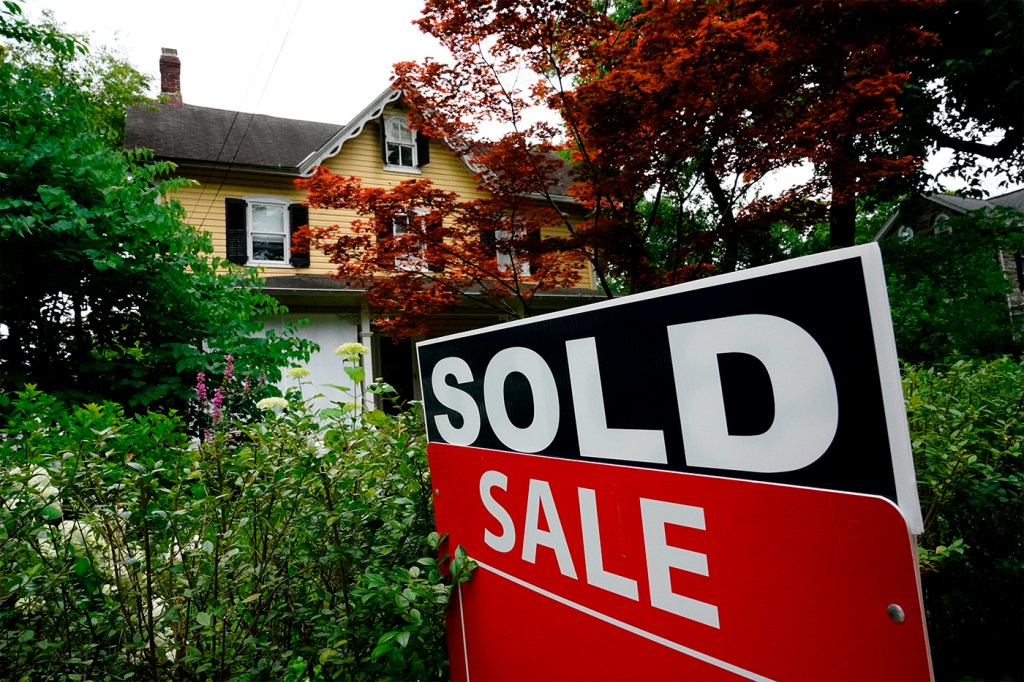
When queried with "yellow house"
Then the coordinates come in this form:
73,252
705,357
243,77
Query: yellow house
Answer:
245,166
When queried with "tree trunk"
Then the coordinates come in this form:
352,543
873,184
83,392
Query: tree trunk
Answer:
842,220
727,220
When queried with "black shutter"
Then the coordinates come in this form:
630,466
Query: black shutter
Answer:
235,228
434,232
298,216
422,149
534,244
489,242
385,243
383,141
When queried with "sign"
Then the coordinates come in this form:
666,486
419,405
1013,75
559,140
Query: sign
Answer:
686,467
589,572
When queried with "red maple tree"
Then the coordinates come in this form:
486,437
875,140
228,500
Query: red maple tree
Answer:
656,100
419,249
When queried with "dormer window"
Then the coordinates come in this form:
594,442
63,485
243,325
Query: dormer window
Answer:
402,148
400,142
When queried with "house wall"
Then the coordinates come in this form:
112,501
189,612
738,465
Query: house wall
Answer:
331,324
328,330
1011,263
359,157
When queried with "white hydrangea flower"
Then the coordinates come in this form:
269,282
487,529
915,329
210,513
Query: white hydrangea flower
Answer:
297,373
351,351
274,404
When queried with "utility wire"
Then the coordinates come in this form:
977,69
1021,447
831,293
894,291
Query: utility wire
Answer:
252,116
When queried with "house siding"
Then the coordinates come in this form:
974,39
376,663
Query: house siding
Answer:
360,157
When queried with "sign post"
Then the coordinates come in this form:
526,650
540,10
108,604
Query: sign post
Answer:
707,481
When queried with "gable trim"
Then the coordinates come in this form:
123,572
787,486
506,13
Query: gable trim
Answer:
352,129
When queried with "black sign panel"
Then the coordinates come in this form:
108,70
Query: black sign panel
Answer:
783,374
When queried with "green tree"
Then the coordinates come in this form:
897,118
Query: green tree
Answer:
107,82
948,292
968,92
106,292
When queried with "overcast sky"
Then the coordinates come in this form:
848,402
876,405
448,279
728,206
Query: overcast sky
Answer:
318,60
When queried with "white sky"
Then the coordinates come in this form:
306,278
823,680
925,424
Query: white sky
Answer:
317,60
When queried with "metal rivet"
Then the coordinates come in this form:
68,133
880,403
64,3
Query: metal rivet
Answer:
896,613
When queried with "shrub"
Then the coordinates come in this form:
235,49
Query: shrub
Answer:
294,547
967,426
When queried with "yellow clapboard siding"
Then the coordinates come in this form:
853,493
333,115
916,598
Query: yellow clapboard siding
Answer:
204,203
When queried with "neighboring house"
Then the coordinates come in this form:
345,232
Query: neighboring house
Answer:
927,215
245,165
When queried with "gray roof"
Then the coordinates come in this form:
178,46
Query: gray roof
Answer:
1014,199
958,204
200,134
185,133
961,205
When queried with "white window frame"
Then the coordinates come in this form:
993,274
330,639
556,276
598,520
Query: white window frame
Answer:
506,258
411,262
285,234
409,144
940,225
905,233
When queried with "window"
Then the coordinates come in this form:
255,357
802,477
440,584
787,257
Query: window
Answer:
259,231
506,254
408,229
941,224
402,148
400,142
268,232
905,233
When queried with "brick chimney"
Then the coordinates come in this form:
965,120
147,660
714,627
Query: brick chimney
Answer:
170,77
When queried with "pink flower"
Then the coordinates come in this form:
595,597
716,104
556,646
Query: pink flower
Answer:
201,387
229,367
217,403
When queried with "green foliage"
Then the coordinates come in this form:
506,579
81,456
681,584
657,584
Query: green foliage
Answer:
791,242
967,426
296,547
947,292
107,293
107,82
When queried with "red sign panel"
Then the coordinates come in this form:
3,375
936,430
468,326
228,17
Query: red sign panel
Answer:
595,571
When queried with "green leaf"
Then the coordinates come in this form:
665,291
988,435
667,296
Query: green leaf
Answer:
203,618
356,374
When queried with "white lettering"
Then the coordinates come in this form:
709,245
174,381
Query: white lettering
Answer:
542,430
804,389
455,399
595,438
507,540
661,557
592,554
538,497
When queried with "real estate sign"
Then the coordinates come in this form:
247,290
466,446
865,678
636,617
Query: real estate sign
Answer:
710,480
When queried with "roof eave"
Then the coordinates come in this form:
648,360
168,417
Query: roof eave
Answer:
351,130
286,171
